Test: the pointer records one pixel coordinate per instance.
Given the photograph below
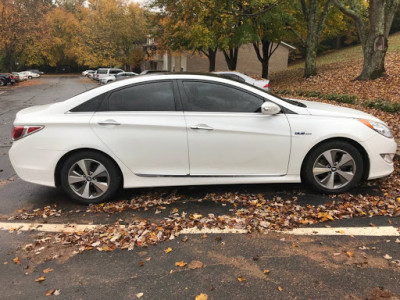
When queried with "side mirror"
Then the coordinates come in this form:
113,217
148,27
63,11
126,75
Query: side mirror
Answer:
269,108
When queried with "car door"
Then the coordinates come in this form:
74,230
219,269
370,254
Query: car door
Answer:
144,127
228,135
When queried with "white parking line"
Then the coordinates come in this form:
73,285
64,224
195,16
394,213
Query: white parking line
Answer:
344,231
353,231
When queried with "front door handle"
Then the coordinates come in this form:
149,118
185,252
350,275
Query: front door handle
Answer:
201,127
108,122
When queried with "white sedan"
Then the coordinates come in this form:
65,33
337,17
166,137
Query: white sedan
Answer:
179,129
30,74
263,83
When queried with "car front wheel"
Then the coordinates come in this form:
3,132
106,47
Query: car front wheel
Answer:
333,167
90,177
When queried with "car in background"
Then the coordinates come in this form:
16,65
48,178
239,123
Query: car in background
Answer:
180,129
104,72
263,84
30,74
119,76
21,76
86,73
153,71
6,78
36,71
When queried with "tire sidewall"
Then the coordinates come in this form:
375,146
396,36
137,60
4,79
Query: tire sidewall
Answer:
112,169
307,172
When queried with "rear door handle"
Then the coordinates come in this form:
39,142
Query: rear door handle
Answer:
201,127
108,122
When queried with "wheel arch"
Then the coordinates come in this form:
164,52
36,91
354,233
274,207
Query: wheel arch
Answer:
355,144
57,172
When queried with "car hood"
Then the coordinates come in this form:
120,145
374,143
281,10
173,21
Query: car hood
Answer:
329,110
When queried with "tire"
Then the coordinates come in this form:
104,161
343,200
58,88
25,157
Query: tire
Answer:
2,83
345,173
29,77
82,186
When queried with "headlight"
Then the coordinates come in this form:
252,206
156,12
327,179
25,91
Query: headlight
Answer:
378,127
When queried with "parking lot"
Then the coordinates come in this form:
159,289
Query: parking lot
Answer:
280,241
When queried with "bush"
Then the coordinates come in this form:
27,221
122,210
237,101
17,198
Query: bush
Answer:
384,105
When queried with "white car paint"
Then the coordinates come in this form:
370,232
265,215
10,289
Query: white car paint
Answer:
162,148
262,84
30,74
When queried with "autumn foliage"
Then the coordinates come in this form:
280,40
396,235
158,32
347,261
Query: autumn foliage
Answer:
70,33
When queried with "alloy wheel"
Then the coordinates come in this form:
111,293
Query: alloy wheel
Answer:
88,178
334,169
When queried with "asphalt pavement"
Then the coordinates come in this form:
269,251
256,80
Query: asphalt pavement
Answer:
269,265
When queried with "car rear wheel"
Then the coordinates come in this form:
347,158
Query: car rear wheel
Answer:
29,77
333,167
2,83
90,177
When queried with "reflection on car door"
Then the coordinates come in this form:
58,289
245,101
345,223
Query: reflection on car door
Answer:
142,126
228,135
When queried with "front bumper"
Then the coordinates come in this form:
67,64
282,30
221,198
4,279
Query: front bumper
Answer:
375,147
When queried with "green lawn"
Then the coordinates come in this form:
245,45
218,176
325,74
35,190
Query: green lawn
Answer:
349,53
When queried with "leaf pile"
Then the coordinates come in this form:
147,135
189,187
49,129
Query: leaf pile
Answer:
252,212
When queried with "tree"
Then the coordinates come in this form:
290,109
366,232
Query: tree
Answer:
314,14
373,22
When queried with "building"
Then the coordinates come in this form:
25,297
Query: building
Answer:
195,62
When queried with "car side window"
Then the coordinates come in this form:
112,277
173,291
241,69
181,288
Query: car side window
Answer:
155,96
214,97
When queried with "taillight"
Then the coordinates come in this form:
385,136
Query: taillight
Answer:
266,86
22,131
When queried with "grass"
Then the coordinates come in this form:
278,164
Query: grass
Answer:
349,53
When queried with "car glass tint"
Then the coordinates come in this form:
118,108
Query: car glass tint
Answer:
210,97
90,105
156,96
102,72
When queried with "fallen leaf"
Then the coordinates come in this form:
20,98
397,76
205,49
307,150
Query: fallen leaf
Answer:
387,256
280,288
195,264
141,263
266,271
57,292
139,295
241,278
180,264
204,236
40,279
185,238
397,241
48,270
49,293
202,297
17,261
168,250
350,254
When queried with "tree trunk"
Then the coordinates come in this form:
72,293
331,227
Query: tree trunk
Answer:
267,50
374,58
310,68
212,54
231,58
374,39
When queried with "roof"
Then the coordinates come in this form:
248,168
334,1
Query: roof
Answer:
287,45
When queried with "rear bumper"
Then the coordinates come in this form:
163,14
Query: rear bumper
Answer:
37,166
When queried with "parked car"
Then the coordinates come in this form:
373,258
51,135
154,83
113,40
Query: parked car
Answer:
15,76
30,74
104,72
21,76
119,76
263,84
180,129
6,78
86,73
153,71
36,71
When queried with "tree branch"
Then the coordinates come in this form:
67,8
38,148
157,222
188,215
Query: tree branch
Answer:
323,18
297,34
257,49
304,9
